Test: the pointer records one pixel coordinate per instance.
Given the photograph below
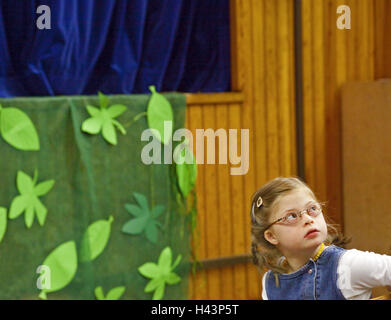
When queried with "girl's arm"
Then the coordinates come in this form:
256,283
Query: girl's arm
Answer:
360,271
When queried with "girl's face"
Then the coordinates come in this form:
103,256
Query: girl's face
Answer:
303,236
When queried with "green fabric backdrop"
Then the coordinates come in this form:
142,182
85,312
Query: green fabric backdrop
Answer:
93,181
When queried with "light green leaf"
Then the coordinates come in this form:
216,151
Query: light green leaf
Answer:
149,270
160,273
165,260
177,260
116,110
159,110
118,126
95,239
99,293
18,205
108,132
135,226
159,292
186,174
43,187
3,222
28,200
173,278
62,263
93,111
115,293
29,216
41,211
18,129
103,100
153,284
24,183
92,125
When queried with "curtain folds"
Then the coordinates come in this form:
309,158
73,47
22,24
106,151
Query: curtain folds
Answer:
117,47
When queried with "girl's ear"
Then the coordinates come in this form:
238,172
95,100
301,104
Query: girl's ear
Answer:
269,236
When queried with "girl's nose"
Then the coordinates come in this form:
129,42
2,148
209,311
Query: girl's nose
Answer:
307,218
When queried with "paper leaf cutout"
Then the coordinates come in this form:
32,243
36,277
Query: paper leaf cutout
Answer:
103,119
113,294
18,130
160,273
28,200
95,239
159,110
186,173
62,263
145,219
3,222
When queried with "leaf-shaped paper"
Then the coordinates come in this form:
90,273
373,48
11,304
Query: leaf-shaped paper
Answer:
186,174
115,293
159,292
3,222
145,219
24,182
99,293
141,200
18,130
103,100
149,270
160,273
159,110
116,110
95,239
108,132
151,232
62,263
18,205
43,187
135,226
102,119
28,200
92,125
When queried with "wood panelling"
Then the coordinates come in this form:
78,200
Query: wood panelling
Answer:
263,101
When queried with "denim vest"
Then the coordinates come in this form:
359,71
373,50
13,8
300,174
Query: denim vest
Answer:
317,280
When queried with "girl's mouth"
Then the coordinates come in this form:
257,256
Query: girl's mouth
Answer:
312,233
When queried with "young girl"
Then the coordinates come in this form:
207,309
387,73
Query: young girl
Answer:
291,238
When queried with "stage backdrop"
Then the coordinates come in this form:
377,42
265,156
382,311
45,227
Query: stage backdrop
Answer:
88,190
120,47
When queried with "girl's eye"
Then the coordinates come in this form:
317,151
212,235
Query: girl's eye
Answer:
291,217
313,209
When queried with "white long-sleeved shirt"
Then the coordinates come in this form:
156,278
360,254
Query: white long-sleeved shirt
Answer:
358,273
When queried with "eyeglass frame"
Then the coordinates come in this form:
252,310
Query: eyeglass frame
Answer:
300,214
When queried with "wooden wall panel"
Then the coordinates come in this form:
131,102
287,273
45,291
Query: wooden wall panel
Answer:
331,57
263,101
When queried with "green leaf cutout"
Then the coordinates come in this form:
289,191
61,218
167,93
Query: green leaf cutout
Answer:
186,172
160,273
103,119
145,219
62,263
28,201
95,239
3,222
159,110
18,130
114,294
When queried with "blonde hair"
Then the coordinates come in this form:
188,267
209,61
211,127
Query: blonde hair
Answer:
266,255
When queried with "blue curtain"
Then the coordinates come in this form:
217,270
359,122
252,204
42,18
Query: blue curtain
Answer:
115,46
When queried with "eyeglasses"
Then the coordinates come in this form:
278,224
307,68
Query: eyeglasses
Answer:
294,217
